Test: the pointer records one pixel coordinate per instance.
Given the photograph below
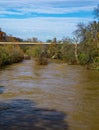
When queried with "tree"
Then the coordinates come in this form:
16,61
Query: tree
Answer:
67,40
49,41
2,35
96,12
34,39
76,41
54,40
80,32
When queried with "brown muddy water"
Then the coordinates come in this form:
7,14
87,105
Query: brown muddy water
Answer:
52,97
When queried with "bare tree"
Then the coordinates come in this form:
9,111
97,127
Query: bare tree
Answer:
96,12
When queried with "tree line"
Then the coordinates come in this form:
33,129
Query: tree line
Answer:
83,49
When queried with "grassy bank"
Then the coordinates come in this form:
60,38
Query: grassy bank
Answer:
88,55
10,54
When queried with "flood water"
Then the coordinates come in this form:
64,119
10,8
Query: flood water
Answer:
52,97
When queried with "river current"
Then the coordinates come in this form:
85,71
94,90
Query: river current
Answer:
53,97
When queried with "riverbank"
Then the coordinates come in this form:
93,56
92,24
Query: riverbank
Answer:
10,54
66,53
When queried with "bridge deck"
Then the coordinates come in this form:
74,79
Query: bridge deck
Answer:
27,43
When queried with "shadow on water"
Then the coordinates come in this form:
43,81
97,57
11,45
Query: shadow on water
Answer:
22,114
1,89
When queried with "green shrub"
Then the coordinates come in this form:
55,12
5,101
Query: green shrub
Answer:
83,58
34,51
10,54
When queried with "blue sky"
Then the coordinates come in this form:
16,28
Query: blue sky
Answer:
44,19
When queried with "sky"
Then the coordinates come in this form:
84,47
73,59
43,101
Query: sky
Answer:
44,19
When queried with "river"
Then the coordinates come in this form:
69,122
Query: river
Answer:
53,97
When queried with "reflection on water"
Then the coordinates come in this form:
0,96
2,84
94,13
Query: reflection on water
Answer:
1,89
24,115
70,89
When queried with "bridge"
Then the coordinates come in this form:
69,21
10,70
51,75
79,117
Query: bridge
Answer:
22,43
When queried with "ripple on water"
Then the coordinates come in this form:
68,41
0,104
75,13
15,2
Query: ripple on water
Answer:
71,91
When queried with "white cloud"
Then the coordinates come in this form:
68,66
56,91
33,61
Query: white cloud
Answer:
4,12
52,10
45,6
43,28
